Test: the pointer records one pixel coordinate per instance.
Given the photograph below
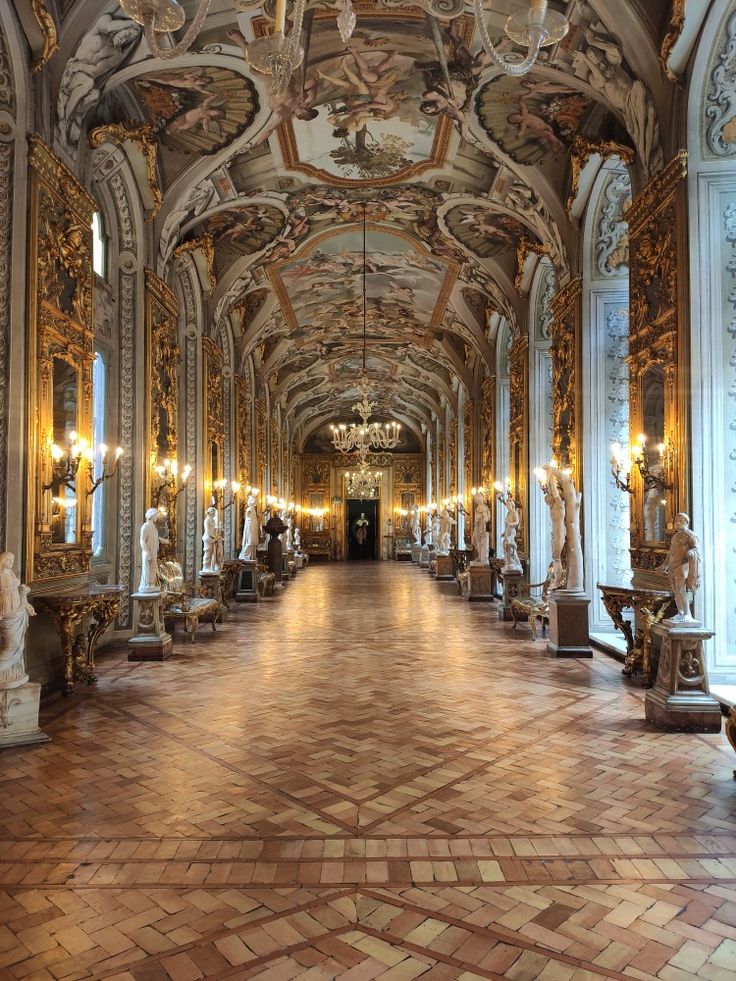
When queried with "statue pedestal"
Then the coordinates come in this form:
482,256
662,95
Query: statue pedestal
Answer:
19,716
511,588
211,584
150,641
424,554
246,588
569,633
288,566
275,558
479,583
681,698
444,568
416,551
301,559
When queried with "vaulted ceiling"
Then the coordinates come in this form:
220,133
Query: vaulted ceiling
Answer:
454,163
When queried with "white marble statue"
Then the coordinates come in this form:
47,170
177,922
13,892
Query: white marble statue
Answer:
573,537
436,526
289,531
212,554
149,553
102,50
14,613
556,506
416,526
682,565
428,530
448,521
512,563
251,530
481,535
297,539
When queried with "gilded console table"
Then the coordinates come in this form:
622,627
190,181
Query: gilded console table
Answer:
650,606
93,607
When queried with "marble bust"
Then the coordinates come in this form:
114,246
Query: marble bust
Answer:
149,553
14,613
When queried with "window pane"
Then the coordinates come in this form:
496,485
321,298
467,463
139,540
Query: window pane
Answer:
99,398
99,246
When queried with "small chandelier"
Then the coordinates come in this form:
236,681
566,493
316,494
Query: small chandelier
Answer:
536,28
363,484
163,17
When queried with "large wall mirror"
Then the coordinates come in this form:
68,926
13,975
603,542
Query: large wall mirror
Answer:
214,416
653,502
60,359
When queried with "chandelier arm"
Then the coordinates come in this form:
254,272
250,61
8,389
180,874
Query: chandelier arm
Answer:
537,34
185,43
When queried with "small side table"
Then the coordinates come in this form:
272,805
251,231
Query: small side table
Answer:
92,608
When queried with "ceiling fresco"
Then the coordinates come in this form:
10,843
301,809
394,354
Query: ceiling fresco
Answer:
453,162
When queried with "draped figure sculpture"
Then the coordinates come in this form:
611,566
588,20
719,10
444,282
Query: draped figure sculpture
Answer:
213,552
446,526
571,497
416,526
512,521
556,505
14,613
149,553
436,525
251,530
481,535
682,565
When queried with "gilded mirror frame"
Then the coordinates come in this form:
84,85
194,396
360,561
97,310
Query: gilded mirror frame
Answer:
657,338
162,387
60,326
214,414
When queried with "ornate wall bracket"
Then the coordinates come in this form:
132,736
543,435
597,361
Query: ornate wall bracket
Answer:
143,137
205,246
525,248
581,152
672,35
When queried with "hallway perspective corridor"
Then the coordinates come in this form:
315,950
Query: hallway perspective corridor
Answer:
366,777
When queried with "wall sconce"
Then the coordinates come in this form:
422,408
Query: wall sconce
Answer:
169,479
66,464
653,476
106,474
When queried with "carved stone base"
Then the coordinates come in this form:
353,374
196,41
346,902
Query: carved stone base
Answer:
246,587
274,560
444,568
681,698
569,634
301,560
150,642
424,554
19,716
415,553
211,584
479,583
511,588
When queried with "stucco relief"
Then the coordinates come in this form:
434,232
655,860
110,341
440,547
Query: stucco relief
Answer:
612,230
729,377
720,99
617,402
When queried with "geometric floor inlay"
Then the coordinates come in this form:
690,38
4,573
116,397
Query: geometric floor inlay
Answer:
366,777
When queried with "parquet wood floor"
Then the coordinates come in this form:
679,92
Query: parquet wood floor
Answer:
365,777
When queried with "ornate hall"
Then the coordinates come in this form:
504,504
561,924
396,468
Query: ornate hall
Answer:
368,490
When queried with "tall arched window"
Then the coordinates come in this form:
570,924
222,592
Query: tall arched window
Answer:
99,246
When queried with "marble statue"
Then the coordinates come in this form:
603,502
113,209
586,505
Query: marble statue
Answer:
436,525
289,531
212,556
416,526
448,521
15,611
149,553
297,539
573,537
512,521
556,505
251,530
428,531
682,565
481,535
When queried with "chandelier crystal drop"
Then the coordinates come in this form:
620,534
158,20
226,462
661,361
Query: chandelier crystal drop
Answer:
536,28
346,21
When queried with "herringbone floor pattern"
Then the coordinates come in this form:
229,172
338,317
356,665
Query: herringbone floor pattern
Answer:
365,777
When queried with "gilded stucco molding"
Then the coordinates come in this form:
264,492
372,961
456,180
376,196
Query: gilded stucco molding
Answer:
672,35
143,137
50,34
204,244
581,152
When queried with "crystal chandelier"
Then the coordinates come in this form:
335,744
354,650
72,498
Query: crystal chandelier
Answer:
365,436
162,17
534,29
363,483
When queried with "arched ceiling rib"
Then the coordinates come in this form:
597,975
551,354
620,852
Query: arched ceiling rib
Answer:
455,163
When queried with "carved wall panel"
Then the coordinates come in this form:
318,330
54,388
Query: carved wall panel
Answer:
244,430
214,413
468,445
452,446
442,467
488,431
162,386
262,480
60,358
658,357
518,433
566,423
